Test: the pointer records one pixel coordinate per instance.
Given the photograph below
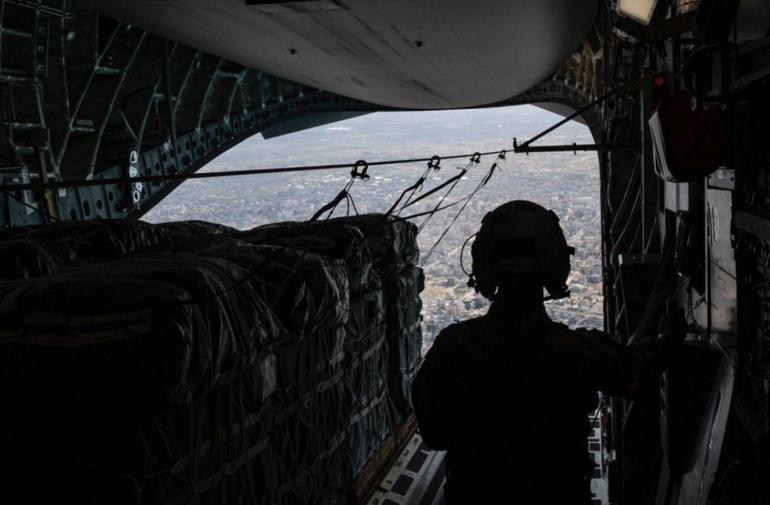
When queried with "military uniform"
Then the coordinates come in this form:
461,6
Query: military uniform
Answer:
508,395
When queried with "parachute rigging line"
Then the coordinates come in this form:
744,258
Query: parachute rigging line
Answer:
484,181
433,164
475,160
359,172
434,210
443,198
413,188
355,209
329,207
438,188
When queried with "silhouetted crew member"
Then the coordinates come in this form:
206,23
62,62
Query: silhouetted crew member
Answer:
508,394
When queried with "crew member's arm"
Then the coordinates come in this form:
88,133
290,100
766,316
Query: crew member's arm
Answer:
626,370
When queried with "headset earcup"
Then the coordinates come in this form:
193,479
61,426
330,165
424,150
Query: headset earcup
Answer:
513,232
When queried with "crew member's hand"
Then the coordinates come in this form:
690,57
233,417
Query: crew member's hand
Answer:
673,326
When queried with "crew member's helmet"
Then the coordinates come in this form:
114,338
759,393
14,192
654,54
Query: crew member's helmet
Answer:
520,244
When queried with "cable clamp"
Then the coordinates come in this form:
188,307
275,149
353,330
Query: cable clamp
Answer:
435,163
476,158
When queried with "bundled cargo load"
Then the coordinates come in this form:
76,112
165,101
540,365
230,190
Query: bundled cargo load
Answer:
366,355
25,259
190,362
35,251
147,330
310,296
306,291
404,337
324,238
217,448
178,229
92,241
393,244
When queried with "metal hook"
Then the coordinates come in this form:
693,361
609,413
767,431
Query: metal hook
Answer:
363,166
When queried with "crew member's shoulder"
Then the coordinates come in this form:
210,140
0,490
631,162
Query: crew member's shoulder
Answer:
585,335
458,332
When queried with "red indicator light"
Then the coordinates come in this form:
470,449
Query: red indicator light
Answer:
659,80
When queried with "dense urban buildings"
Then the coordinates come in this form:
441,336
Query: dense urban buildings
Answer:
565,182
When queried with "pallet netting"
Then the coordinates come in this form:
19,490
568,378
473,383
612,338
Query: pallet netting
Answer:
404,337
305,290
25,259
328,239
128,324
395,255
207,450
310,295
36,251
369,427
309,436
69,340
378,246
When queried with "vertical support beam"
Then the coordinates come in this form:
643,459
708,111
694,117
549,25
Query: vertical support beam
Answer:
650,182
170,108
168,91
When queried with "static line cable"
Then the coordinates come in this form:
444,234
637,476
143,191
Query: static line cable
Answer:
484,181
213,175
441,201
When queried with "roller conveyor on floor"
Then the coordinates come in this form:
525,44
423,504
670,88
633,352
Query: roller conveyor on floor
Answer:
416,478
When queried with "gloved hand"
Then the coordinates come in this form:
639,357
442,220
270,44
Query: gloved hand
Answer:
673,325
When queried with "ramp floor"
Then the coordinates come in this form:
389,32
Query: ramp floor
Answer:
416,478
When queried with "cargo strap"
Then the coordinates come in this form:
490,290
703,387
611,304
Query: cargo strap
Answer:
356,418
334,445
228,468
